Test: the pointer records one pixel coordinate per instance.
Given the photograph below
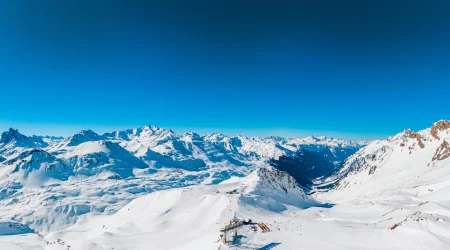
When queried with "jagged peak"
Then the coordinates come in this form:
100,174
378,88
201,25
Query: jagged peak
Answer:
87,132
125,134
404,134
436,127
156,128
80,137
12,134
441,125
215,137
312,137
192,134
442,122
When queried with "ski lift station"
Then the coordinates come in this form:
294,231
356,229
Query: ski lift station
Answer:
230,232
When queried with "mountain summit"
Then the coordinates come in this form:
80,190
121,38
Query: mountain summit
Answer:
12,141
12,135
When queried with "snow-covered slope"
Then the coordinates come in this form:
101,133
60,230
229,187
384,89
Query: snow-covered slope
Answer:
76,139
36,164
94,157
390,195
12,143
191,218
403,160
47,182
188,218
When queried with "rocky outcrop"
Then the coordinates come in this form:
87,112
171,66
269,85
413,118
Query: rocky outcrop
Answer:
439,126
416,136
443,152
372,170
276,179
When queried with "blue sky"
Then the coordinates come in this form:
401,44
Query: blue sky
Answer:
360,70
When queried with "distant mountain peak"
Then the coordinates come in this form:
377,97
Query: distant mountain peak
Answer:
156,128
192,135
87,132
12,134
80,137
18,139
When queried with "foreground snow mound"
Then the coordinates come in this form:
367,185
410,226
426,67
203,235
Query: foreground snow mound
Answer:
191,218
188,218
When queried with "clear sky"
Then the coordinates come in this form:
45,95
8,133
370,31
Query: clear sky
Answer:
351,69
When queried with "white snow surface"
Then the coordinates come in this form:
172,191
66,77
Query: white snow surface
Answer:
391,194
47,183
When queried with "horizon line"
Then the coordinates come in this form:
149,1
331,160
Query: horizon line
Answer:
65,130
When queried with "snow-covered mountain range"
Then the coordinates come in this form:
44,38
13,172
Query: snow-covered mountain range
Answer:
390,194
86,172
150,149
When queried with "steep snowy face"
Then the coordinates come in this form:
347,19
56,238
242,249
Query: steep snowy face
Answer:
12,142
12,135
36,163
399,161
77,139
271,180
94,157
305,166
138,140
272,190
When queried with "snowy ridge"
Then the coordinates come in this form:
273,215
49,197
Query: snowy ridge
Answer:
396,159
93,157
77,139
86,173
35,162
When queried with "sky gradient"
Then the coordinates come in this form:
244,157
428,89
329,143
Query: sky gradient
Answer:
350,69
